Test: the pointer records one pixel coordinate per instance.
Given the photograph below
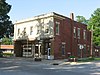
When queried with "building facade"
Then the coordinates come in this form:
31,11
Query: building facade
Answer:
51,36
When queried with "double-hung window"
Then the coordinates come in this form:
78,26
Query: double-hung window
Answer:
18,31
63,48
74,31
84,34
57,28
78,33
24,32
31,30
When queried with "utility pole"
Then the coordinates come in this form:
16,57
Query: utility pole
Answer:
92,40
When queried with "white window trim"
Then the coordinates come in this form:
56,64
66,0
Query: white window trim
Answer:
78,33
74,31
58,23
18,32
31,30
84,34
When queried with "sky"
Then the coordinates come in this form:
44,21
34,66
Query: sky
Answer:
22,9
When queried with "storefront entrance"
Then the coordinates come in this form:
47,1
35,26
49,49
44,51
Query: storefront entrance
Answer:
31,48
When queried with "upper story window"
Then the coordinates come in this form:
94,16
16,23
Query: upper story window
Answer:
46,30
38,29
57,28
18,31
24,31
31,30
84,34
74,31
78,33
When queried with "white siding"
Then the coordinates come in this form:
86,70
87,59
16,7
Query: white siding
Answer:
43,23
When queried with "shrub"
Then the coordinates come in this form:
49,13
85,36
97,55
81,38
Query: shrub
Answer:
71,56
7,54
91,58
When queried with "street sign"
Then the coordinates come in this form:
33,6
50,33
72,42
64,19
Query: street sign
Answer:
81,46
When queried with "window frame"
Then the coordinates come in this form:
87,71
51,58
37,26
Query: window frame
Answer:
57,28
74,32
78,33
18,31
31,30
63,48
84,34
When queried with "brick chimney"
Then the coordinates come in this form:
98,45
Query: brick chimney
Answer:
72,16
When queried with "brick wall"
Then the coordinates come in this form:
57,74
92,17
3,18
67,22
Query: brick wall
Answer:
66,35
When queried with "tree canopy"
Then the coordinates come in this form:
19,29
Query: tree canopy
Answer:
81,19
6,26
94,23
7,41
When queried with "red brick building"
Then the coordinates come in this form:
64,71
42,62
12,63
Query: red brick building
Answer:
59,37
70,37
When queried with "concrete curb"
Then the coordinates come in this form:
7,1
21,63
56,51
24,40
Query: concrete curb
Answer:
75,63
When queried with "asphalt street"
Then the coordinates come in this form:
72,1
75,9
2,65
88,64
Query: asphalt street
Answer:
26,66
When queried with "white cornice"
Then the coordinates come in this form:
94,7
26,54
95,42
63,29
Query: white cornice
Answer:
52,14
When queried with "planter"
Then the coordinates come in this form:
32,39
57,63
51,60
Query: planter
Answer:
37,59
72,59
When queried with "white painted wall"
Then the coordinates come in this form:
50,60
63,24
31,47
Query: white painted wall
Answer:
43,22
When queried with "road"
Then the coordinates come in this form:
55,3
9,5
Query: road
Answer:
24,66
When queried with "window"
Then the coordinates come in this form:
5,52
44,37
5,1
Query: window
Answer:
78,33
46,30
25,29
57,28
24,32
79,51
18,31
74,32
84,34
31,30
88,50
38,29
84,50
63,48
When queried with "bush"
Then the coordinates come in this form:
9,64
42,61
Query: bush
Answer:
7,54
91,58
71,56
72,59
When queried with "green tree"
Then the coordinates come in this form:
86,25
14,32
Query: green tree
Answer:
94,24
81,19
7,41
6,26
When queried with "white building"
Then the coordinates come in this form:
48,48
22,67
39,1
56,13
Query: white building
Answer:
29,33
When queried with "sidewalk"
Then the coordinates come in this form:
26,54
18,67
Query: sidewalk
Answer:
48,62
53,62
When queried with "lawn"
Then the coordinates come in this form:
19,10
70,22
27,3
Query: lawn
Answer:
89,59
